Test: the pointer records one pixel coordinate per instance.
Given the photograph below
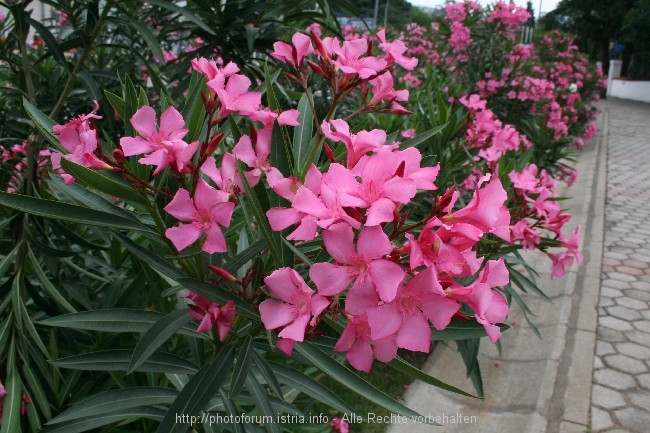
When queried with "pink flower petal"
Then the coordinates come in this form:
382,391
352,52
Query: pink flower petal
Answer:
331,279
144,121
339,242
275,314
181,207
414,334
183,236
373,243
387,276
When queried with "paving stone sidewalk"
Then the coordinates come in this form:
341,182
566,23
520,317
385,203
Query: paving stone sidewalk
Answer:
591,371
621,380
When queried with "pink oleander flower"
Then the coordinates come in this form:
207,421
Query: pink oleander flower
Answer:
522,232
234,96
340,425
293,54
211,315
360,348
409,133
447,248
257,159
204,213
313,205
162,143
357,144
417,303
380,191
348,59
489,306
564,259
383,90
211,70
297,304
365,263
395,52
485,210
80,138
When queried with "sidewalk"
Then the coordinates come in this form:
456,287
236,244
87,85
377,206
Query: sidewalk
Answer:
546,385
621,391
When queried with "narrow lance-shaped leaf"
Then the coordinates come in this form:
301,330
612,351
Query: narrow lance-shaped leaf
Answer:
302,135
43,123
157,335
260,217
119,360
115,400
103,182
262,403
242,365
105,418
305,384
198,391
11,409
68,212
347,378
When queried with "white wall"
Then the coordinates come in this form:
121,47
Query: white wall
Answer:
624,89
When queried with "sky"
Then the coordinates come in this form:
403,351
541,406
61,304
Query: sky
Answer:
547,5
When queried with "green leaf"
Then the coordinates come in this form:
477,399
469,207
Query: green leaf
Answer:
8,262
43,123
114,400
41,399
271,98
86,424
305,384
102,182
469,352
198,391
232,412
421,138
11,409
234,264
462,330
130,105
350,380
48,287
53,46
159,333
262,403
265,370
113,320
89,82
86,198
302,135
242,365
116,102
119,360
149,38
194,110
412,371
260,217
68,212
189,15
153,260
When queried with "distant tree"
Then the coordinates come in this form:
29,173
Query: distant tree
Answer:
636,28
595,24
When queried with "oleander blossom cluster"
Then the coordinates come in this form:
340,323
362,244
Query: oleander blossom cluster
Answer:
401,254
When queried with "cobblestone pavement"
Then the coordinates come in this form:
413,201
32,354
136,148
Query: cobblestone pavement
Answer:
621,381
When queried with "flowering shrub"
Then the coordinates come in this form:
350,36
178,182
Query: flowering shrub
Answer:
293,231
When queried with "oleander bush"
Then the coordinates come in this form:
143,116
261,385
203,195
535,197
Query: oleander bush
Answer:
197,229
